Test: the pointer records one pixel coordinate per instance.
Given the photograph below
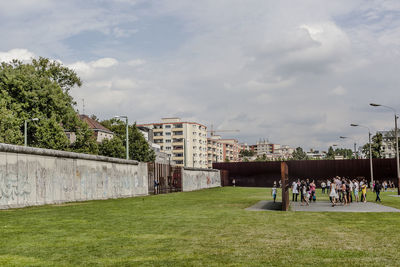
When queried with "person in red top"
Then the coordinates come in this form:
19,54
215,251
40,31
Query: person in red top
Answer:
312,189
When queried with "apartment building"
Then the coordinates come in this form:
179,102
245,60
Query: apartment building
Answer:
273,151
214,150
230,149
388,149
184,142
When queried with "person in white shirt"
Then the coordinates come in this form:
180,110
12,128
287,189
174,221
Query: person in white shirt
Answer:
295,191
323,186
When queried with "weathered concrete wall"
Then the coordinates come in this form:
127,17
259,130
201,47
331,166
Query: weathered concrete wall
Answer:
32,176
195,179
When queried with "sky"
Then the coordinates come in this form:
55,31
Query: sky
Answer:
293,72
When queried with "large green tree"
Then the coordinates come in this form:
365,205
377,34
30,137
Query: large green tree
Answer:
41,89
139,148
299,154
376,146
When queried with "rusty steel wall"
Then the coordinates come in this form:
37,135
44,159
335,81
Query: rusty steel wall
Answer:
258,174
263,174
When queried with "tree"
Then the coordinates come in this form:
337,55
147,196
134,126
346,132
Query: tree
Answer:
330,154
344,152
48,133
139,148
262,158
246,153
112,148
376,146
41,89
299,154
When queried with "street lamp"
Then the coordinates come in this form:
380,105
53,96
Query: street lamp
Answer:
397,141
127,134
370,149
26,130
355,144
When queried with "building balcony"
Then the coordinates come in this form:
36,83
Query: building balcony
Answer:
157,130
177,143
177,158
158,137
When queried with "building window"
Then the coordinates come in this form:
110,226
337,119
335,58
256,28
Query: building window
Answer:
167,126
168,133
168,141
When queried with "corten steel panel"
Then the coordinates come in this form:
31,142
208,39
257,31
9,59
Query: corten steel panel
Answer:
265,173
224,178
258,174
285,186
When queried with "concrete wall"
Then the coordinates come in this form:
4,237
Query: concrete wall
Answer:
195,179
32,176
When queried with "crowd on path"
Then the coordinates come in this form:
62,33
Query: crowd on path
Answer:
340,190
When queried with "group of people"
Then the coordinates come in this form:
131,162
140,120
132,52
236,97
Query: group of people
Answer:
306,189
340,190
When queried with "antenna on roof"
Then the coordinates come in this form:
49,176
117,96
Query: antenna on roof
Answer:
83,106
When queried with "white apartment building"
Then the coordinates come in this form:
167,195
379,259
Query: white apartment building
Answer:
388,145
184,142
215,151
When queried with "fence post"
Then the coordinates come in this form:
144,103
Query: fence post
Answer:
285,186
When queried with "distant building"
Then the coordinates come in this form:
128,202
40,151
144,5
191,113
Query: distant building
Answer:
215,151
184,142
316,154
273,151
161,157
100,132
230,149
388,149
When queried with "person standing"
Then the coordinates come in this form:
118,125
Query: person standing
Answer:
273,192
304,198
333,193
313,197
364,192
323,186
295,191
377,190
356,190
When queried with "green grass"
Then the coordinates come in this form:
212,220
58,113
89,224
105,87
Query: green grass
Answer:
203,228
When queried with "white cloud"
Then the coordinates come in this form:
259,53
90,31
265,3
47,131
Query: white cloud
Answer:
104,63
338,91
276,63
136,62
16,53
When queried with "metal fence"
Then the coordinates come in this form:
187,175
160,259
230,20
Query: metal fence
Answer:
164,178
263,174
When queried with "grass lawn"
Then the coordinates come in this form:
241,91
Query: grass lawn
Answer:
202,228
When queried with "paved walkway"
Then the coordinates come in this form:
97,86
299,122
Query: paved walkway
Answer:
326,206
323,206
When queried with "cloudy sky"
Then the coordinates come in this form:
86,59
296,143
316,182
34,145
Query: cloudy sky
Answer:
294,72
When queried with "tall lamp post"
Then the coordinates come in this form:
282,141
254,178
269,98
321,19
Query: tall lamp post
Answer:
370,149
397,141
127,134
26,130
355,144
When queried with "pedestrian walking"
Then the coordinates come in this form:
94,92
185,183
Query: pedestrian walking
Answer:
377,190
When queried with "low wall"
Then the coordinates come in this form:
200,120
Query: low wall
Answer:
195,179
33,176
